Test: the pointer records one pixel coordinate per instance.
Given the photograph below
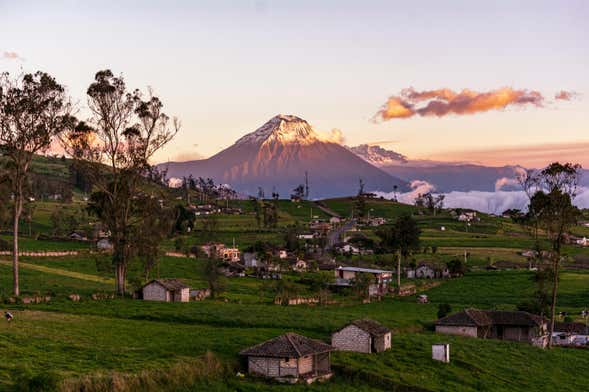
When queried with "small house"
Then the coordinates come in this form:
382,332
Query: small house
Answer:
377,221
104,244
212,249
166,290
77,236
495,324
250,260
345,276
299,265
334,220
231,255
431,271
570,334
290,358
363,336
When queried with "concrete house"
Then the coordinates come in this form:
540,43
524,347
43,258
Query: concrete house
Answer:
230,254
167,290
363,336
299,265
212,249
250,260
104,244
570,334
290,358
430,271
495,324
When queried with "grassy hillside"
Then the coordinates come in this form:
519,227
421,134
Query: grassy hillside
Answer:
123,338
88,337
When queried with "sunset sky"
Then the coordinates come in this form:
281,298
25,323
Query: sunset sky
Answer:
226,67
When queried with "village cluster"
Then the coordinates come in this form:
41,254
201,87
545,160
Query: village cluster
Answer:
292,357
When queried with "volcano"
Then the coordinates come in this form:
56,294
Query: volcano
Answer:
277,156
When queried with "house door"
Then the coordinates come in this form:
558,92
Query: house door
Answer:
500,332
372,345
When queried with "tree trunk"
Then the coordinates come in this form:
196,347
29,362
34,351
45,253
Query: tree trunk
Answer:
16,218
15,285
120,274
554,292
399,273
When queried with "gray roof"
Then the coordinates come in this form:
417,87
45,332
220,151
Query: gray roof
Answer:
482,318
372,327
289,345
169,284
359,269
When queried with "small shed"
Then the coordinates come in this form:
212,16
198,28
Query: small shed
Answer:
104,244
167,290
363,336
291,358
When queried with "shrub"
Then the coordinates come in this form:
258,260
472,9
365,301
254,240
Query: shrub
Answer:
444,310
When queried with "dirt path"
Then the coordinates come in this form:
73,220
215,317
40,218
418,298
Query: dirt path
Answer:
327,210
59,271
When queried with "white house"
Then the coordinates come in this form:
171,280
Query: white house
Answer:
583,241
104,244
334,220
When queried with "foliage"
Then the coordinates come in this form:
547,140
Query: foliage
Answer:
33,110
124,132
214,277
456,266
362,284
444,309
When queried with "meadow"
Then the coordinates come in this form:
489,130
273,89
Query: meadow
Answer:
136,344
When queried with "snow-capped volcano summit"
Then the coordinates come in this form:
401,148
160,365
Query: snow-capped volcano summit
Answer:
276,156
281,128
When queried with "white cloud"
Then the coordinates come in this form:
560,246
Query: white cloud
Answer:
489,202
175,182
333,136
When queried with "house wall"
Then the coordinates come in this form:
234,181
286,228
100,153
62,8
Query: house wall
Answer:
289,367
155,292
457,330
424,272
351,338
382,343
305,364
182,296
268,367
346,274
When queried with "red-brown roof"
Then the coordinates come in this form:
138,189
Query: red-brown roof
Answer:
289,345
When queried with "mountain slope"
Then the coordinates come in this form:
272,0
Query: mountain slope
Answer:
445,176
276,157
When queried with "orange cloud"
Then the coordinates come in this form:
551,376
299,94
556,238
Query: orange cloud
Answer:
443,102
11,56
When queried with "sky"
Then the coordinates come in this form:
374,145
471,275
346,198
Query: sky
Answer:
226,67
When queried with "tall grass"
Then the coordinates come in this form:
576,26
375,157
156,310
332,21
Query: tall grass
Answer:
182,375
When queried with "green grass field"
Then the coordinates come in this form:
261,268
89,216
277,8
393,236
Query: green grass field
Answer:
65,340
